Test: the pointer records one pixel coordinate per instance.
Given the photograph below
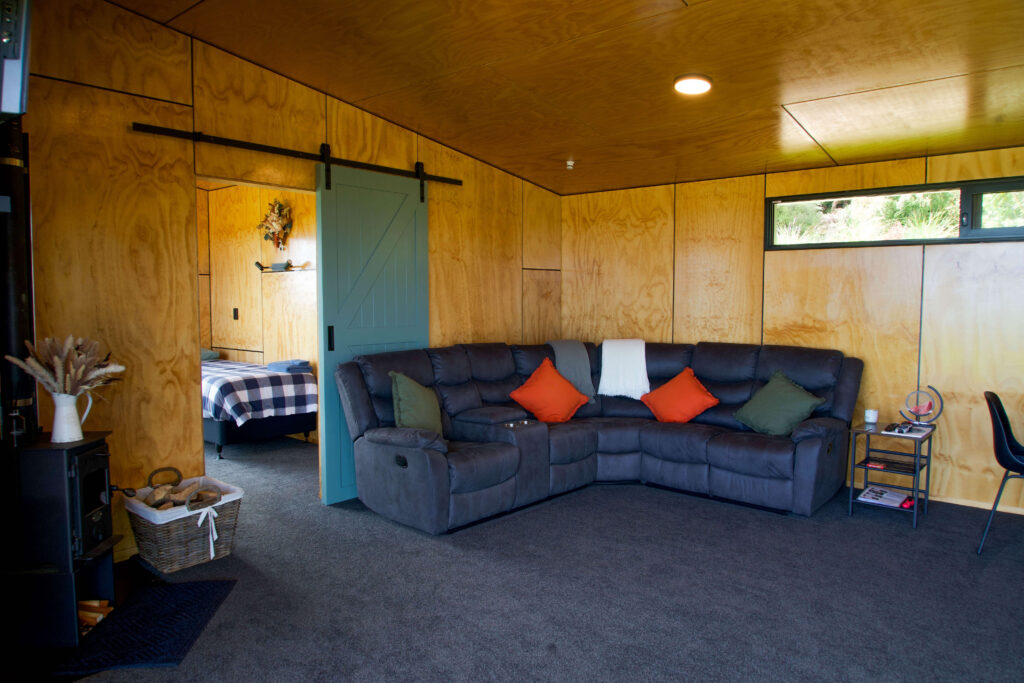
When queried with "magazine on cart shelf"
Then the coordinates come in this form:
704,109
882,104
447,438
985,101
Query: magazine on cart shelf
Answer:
887,497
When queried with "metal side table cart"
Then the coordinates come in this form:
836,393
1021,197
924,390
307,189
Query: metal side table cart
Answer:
884,461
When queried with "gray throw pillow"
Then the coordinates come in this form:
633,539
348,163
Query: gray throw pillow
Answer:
415,405
778,406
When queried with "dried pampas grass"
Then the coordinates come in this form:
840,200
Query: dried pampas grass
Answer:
69,367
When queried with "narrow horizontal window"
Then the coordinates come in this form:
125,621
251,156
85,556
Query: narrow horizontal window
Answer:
979,211
879,218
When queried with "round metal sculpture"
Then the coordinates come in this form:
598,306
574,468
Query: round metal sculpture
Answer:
924,407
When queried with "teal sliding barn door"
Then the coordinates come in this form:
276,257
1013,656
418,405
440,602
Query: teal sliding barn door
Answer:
372,251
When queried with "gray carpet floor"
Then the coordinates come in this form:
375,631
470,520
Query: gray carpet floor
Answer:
611,582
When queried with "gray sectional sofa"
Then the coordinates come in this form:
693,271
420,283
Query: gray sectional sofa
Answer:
494,457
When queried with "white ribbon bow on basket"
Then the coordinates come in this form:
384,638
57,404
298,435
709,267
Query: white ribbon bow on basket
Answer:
210,513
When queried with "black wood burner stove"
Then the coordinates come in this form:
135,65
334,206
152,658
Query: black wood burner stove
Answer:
66,541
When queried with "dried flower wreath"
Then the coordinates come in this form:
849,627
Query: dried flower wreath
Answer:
277,224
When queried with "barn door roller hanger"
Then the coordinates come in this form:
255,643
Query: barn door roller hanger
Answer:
323,156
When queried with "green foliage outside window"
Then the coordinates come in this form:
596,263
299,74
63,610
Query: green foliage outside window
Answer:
981,210
909,216
1002,210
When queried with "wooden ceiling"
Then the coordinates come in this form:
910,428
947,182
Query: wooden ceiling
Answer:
527,84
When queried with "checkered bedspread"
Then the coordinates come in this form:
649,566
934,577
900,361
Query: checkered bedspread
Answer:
243,392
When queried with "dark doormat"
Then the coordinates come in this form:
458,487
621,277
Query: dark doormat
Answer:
155,627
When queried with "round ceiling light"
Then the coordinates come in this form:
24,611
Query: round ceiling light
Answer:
693,84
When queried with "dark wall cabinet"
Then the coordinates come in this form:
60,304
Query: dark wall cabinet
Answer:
66,540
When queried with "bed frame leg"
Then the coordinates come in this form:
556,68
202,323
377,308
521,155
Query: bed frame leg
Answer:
305,436
220,447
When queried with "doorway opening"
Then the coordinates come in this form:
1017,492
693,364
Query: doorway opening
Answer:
257,306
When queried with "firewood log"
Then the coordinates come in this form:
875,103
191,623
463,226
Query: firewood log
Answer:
181,493
158,495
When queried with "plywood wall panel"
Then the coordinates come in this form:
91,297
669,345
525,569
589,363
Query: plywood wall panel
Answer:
290,321
842,178
289,316
300,248
96,43
475,250
240,355
617,264
542,228
211,184
360,136
864,302
234,279
205,334
719,227
994,163
971,343
203,231
542,306
237,99
114,242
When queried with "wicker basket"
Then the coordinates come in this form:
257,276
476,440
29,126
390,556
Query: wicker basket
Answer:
181,536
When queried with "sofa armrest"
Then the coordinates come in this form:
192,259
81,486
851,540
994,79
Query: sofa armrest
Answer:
406,437
408,484
506,427
825,428
819,462
510,426
847,388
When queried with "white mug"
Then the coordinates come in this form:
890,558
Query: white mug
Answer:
871,416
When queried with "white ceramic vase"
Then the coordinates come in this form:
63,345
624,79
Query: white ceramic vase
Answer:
67,427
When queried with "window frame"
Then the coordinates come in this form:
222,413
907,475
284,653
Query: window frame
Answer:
970,202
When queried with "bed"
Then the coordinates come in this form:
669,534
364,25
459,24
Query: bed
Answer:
247,402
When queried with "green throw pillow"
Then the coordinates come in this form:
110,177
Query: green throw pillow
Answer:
778,407
416,406
207,354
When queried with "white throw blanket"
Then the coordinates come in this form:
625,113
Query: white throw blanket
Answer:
623,368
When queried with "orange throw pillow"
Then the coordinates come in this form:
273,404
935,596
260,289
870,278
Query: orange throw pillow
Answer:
548,395
680,399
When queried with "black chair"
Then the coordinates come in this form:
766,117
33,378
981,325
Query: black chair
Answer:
1009,453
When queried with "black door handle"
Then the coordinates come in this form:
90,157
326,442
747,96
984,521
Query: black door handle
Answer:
330,337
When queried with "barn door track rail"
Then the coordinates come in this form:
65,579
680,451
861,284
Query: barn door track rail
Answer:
323,156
